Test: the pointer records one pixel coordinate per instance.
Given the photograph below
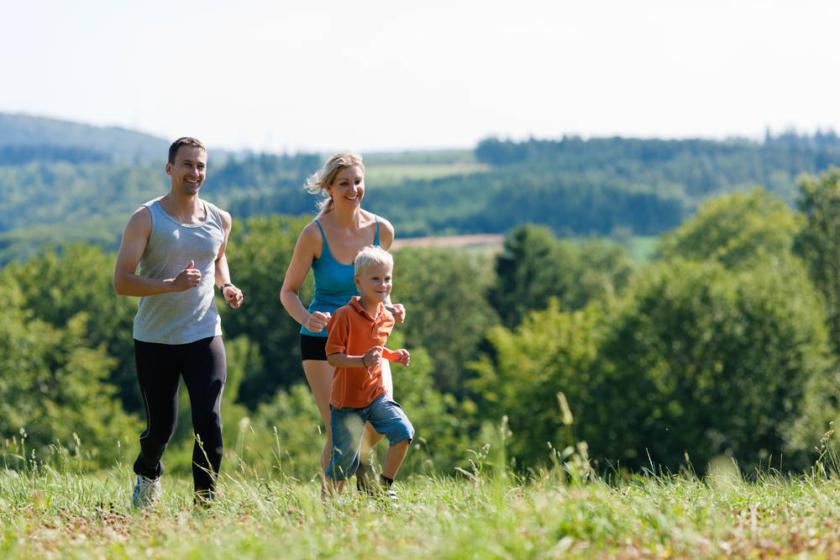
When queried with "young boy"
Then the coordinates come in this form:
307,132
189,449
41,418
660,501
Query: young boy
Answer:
355,348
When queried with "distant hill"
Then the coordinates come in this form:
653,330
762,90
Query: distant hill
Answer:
65,181
31,138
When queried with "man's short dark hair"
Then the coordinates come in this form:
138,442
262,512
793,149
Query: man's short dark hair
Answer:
183,141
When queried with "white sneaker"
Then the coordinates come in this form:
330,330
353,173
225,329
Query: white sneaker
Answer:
146,492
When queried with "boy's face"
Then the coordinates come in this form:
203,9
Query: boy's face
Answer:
374,282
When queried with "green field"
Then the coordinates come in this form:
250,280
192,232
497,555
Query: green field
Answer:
54,515
396,174
641,248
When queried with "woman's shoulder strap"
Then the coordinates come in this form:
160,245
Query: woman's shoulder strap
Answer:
320,228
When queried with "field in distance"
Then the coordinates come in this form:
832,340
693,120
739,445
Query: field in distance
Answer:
488,241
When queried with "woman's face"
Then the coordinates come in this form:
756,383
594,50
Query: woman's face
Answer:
348,188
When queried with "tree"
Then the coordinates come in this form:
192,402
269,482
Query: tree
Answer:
61,282
446,312
736,230
818,243
534,266
703,361
54,389
259,253
550,352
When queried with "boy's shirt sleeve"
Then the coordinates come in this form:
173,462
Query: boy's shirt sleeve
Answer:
339,330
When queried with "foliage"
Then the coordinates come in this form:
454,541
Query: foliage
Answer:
551,352
601,186
53,389
61,282
818,243
259,253
534,266
701,361
446,312
694,167
442,422
692,358
735,230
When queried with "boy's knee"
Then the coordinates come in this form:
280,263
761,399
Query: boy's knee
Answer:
402,432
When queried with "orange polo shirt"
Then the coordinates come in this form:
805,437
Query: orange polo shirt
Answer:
353,331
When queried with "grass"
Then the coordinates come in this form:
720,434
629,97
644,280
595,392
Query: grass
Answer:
77,515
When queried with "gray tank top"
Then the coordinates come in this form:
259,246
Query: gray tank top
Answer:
180,317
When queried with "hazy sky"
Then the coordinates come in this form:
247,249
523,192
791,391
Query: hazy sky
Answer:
390,74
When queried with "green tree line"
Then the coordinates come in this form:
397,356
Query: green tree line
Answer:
574,186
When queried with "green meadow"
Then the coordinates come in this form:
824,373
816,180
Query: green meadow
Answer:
50,514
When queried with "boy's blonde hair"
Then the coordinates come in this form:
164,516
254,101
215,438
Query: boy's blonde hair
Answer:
372,255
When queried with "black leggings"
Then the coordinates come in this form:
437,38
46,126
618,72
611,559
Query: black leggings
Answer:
159,368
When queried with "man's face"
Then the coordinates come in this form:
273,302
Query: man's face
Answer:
189,169
374,282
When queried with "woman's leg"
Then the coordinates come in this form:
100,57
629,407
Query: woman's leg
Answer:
319,374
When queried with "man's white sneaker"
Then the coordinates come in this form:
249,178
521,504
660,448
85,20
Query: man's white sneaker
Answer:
146,492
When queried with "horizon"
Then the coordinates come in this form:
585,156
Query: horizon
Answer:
382,77
396,150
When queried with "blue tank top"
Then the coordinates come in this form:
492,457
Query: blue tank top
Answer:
334,285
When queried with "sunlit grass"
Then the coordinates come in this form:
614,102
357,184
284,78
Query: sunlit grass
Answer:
56,508
52,514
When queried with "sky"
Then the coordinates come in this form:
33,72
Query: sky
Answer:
372,75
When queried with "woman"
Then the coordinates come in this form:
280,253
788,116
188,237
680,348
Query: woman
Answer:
328,246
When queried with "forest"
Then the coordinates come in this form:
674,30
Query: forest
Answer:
725,343
613,187
722,342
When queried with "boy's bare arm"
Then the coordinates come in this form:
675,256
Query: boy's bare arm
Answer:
400,356
367,360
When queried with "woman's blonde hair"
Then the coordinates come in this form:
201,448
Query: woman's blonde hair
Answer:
318,182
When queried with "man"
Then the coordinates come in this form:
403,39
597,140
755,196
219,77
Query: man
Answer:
178,241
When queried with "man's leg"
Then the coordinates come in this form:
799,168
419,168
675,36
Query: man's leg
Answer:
157,373
205,371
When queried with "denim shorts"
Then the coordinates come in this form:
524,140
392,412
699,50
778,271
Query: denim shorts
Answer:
348,424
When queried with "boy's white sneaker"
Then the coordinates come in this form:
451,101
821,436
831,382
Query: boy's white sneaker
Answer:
146,492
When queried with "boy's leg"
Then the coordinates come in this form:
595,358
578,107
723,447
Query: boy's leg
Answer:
347,426
158,372
394,459
365,477
205,370
388,418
